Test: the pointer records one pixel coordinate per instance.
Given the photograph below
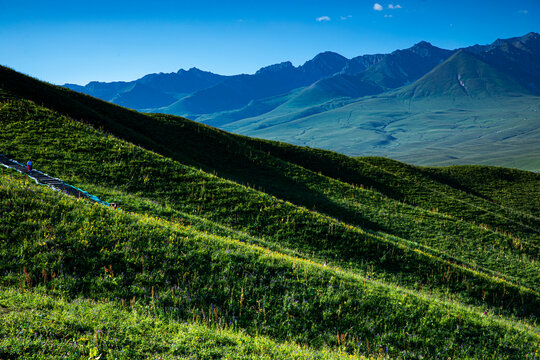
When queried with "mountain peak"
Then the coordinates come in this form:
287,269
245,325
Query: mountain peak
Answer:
530,36
423,44
328,56
191,70
286,65
426,49
325,63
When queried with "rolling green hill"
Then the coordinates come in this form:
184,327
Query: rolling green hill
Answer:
360,256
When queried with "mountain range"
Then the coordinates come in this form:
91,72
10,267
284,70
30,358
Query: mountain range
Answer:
423,104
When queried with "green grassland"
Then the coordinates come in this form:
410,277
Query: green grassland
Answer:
500,131
73,248
37,325
289,243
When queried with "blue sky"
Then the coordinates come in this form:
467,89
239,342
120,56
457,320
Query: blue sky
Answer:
72,41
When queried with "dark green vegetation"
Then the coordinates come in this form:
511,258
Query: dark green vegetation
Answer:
423,105
234,233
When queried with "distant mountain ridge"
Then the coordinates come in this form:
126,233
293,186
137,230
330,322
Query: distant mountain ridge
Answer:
238,91
150,91
397,104
195,93
385,73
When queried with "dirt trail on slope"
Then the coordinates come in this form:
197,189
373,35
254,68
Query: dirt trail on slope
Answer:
44,179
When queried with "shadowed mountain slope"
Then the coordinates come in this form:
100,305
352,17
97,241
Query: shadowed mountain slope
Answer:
151,91
463,75
139,96
239,90
405,66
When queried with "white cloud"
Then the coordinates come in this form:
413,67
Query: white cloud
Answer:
388,15
391,6
323,18
346,17
523,12
377,7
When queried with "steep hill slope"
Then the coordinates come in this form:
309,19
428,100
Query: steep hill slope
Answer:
464,75
191,275
517,56
388,224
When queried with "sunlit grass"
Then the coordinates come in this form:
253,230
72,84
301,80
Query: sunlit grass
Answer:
72,248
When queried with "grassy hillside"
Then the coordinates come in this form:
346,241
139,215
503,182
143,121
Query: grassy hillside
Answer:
507,187
226,207
72,248
38,325
166,182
